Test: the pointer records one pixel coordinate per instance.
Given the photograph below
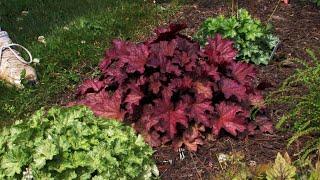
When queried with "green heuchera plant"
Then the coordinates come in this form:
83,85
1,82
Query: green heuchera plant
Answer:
71,143
281,169
253,40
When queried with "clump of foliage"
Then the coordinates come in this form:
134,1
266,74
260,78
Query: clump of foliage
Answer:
170,89
282,168
253,40
71,143
233,166
300,93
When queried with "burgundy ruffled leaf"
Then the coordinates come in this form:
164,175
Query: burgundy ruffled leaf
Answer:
203,90
149,117
134,56
172,28
103,104
90,86
164,63
137,58
180,84
191,139
200,110
133,98
166,48
171,68
167,94
170,117
209,70
155,83
184,61
231,87
116,74
167,33
230,119
220,51
112,56
242,72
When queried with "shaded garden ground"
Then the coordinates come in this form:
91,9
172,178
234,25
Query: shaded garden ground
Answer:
298,27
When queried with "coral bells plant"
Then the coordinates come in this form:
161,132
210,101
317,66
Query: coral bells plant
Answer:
171,90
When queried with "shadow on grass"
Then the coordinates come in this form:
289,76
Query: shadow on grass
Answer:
77,33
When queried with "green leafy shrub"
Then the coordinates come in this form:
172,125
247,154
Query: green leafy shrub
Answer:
253,40
71,143
301,93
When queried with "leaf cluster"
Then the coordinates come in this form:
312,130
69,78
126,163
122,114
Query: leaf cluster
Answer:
300,93
171,90
234,167
253,40
71,143
281,169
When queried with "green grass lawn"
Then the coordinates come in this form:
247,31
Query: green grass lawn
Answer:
77,32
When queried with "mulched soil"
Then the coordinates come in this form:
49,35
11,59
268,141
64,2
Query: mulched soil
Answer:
298,26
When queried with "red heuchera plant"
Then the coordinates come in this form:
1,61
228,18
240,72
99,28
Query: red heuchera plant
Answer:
170,89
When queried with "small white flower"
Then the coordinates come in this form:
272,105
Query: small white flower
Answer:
252,163
41,39
19,19
154,1
24,13
27,174
83,42
222,157
66,28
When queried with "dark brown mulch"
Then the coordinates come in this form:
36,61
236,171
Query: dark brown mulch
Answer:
204,163
298,26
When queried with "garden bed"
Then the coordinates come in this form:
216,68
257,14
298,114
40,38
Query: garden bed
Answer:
297,26
84,36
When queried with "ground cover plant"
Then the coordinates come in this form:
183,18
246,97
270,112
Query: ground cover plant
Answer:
172,90
233,166
75,34
301,93
71,143
253,40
